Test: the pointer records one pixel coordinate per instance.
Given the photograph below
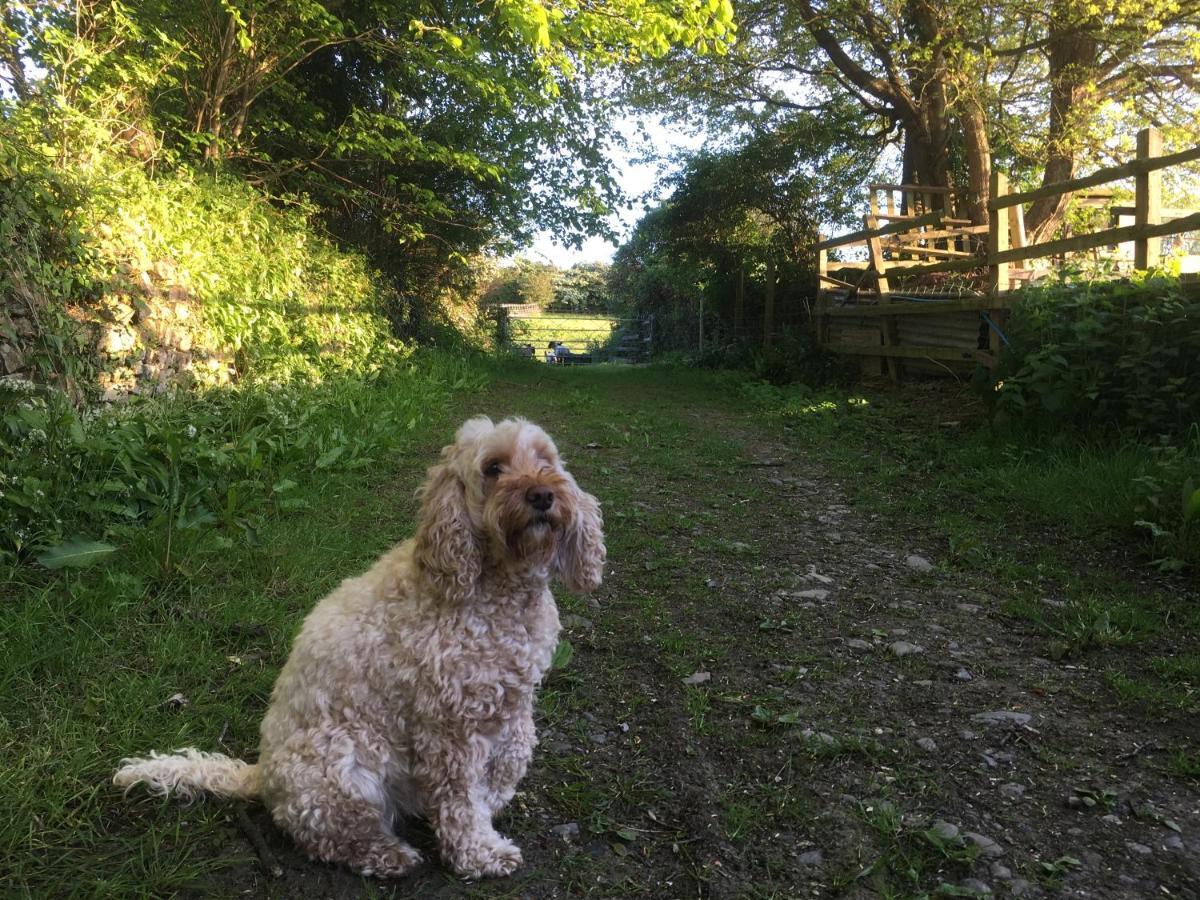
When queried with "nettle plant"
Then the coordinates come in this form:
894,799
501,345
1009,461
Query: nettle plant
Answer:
1120,355
221,462
1116,358
1168,501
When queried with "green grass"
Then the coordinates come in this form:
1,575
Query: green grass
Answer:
93,658
579,331
908,853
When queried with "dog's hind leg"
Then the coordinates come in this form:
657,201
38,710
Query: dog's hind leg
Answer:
337,809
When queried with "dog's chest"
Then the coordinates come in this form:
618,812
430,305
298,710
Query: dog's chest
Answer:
494,664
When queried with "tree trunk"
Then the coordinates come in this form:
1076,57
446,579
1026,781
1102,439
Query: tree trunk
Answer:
926,157
979,161
927,134
210,117
1072,57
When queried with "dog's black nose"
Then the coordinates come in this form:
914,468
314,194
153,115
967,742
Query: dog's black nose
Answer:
540,498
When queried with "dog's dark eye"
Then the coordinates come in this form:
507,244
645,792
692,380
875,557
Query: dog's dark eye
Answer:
492,469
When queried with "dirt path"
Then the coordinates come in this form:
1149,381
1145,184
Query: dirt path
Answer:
774,695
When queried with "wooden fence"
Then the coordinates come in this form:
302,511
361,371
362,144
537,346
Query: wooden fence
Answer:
932,290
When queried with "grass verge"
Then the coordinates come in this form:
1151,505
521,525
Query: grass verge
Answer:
220,547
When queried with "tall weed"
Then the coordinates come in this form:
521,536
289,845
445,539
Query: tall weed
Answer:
1102,355
223,459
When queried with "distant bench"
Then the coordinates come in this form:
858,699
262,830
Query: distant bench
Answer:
562,356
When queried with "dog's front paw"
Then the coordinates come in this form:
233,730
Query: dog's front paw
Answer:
391,861
491,860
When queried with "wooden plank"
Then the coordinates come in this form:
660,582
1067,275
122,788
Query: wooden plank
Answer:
951,353
1100,239
1115,173
837,282
933,251
1147,200
922,307
950,265
857,237
951,233
849,264
1167,212
946,220
867,340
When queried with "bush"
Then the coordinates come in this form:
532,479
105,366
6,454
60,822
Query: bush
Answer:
796,356
1113,355
221,459
268,285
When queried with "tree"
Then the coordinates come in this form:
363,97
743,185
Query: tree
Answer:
953,82
524,283
425,133
734,220
583,288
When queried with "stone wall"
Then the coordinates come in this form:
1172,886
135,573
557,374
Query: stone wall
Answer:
144,336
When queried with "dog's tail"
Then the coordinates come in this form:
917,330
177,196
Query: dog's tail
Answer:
188,773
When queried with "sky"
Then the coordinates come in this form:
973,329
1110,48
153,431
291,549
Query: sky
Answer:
636,179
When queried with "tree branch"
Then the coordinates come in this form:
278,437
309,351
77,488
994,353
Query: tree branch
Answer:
852,71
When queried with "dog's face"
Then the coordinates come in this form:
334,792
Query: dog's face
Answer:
501,498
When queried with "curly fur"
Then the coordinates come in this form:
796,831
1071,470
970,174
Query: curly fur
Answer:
409,690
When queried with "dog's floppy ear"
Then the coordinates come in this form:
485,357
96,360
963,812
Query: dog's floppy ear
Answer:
446,546
581,553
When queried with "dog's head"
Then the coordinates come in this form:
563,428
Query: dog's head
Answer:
501,498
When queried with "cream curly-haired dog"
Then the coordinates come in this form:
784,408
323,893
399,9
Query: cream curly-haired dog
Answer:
409,690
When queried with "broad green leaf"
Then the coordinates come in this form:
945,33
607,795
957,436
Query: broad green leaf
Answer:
329,457
76,553
562,655
1191,506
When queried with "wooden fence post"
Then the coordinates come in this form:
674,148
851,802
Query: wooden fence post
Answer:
998,236
883,289
769,304
998,225
503,335
1016,229
1147,200
820,317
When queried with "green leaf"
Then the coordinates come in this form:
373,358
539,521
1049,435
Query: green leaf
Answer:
761,715
76,553
1191,506
562,655
329,457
